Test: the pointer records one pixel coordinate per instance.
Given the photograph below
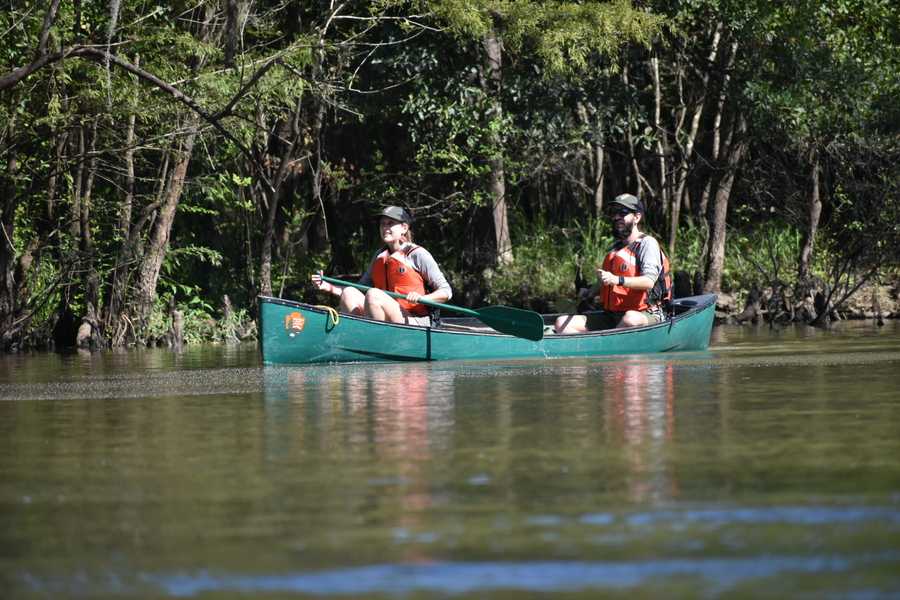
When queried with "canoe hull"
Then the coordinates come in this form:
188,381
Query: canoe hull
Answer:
298,333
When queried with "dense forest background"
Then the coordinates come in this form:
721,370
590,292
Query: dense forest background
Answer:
174,159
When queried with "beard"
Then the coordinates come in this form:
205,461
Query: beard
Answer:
621,229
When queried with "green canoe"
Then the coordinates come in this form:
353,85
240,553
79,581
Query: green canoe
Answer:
297,333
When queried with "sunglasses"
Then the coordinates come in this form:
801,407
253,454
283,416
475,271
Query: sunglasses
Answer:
619,212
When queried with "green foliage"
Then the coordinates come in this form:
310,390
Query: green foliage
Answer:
450,133
547,259
831,69
44,297
398,110
689,251
160,322
546,262
562,35
566,34
172,286
175,256
762,256
200,326
864,225
198,322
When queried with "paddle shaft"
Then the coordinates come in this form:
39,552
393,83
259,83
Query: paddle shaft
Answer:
365,288
513,321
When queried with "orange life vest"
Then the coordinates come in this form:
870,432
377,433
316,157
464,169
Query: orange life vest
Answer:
396,274
623,261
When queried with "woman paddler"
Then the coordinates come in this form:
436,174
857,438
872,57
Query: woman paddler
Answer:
400,267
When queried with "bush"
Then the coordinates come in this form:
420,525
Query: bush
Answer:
545,269
199,323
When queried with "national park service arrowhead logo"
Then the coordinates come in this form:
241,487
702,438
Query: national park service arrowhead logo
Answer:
294,323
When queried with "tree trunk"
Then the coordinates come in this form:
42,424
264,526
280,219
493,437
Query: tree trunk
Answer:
18,302
629,140
75,216
115,319
113,327
497,178
812,225
151,262
272,195
55,170
717,132
9,201
265,251
716,260
678,197
596,161
232,31
128,202
597,176
91,280
702,207
662,144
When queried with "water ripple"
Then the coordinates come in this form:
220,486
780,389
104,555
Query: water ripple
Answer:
712,575
538,576
143,385
797,515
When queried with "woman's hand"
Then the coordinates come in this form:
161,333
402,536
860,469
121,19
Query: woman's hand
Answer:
318,282
413,297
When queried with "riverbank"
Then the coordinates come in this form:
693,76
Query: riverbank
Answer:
870,301
180,328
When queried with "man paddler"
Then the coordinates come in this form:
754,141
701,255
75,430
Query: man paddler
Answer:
634,281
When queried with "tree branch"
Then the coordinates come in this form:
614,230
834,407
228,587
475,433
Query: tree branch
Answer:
103,57
49,19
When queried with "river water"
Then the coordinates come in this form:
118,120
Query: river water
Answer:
768,466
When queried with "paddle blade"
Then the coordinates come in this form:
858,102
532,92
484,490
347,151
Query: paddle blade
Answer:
513,321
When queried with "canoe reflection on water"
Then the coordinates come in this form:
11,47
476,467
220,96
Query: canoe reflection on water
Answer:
640,412
376,422
415,421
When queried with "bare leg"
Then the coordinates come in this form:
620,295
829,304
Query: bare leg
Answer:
570,324
382,307
352,301
633,318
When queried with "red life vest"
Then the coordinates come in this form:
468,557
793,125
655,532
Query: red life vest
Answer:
623,261
395,273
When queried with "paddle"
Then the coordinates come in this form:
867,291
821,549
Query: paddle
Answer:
505,319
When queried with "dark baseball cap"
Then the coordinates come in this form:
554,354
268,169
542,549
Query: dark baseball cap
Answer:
396,213
629,201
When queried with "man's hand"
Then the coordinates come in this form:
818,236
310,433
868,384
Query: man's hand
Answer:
607,278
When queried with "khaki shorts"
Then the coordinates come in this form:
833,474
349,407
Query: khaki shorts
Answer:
424,321
602,319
